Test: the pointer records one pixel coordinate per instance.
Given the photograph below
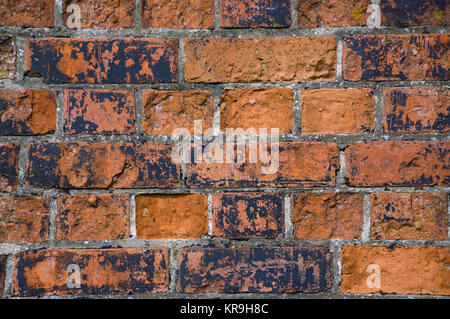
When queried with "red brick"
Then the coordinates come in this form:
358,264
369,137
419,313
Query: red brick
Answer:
405,163
248,215
168,216
182,14
213,60
103,14
9,167
139,60
7,58
396,57
396,13
27,13
301,164
255,270
101,165
102,272
2,274
167,110
23,219
93,217
412,270
99,112
417,216
416,109
337,111
27,112
327,216
332,13
257,108
255,13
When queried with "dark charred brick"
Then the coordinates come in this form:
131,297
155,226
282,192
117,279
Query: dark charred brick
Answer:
27,112
248,215
416,109
101,165
402,163
99,112
398,13
27,13
9,167
142,60
260,269
7,58
396,57
102,272
255,13
2,274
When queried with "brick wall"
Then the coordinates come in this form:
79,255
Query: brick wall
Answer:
89,189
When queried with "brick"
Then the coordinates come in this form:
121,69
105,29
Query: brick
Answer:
416,109
2,274
396,57
168,216
337,111
412,270
181,14
396,13
417,216
103,14
213,60
101,165
255,13
99,112
405,163
28,13
46,272
257,108
327,216
9,167
93,217
7,58
257,269
27,112
301,164
140,60
332,13
248,215
167,110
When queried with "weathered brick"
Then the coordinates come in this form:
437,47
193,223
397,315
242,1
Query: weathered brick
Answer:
192,14
418,216
397,13
23,219
332,13
405,163
396,57
9,167
27,13
102,272
99,112
7,58
248,215
140,60
416,109
2,274
103,14
260,269
289,59
27,112
412,270
257,108
167,110
101,165
93,217
300,164
162,216
337,111
336,216
255,13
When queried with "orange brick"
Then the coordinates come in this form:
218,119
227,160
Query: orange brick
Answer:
27,13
